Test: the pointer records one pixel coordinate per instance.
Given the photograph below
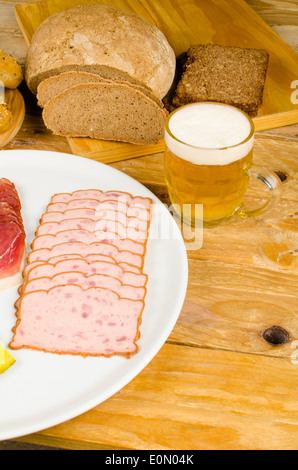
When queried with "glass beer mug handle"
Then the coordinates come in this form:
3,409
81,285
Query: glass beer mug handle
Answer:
273,183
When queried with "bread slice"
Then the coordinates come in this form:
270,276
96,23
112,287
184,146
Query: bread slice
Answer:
103,71
230,75
109,111
50,87
121,44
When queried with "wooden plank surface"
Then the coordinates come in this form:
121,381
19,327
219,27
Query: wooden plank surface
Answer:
216,383
185,23
205,402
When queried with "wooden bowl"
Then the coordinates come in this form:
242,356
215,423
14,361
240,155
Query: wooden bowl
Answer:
15,102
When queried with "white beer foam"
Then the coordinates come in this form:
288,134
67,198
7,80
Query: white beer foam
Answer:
209,134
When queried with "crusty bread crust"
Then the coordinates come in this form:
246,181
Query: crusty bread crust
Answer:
101,35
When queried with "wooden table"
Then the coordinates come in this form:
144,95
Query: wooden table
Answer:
216,383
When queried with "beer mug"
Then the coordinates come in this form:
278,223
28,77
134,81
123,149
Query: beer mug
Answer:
208,161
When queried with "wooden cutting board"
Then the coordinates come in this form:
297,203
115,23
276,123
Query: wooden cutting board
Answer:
15,103
187,22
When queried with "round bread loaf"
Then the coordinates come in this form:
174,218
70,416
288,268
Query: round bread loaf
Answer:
120,43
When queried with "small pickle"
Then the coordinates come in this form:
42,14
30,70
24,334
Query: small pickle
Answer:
6,118
6,360
11,73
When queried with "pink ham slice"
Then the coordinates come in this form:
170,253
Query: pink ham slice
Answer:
101,197
84,250
95,257
106,215
80,194
87,204
69,320
86,264
89,265
81,265
98,257
57,216
85,282
48,241
100,208
71,256
126,266
103,225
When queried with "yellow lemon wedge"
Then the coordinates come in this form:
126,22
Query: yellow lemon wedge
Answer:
6,360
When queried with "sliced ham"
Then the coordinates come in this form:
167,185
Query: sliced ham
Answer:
126,266
88,258
83,287
69,320
84,236
101,197
102,225
74,256
57,216
80,194
84,250
79,279
75,204
106,215
64,257
101,207
81,265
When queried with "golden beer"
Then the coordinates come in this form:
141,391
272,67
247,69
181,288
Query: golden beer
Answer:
214,176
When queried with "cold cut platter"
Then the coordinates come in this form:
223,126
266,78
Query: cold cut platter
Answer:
58,375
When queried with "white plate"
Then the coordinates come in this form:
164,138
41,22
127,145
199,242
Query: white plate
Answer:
43,389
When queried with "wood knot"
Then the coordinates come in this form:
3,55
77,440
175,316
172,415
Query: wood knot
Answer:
276,335
282,176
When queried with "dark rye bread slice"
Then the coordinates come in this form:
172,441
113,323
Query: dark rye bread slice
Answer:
108,111
230,75
50,87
